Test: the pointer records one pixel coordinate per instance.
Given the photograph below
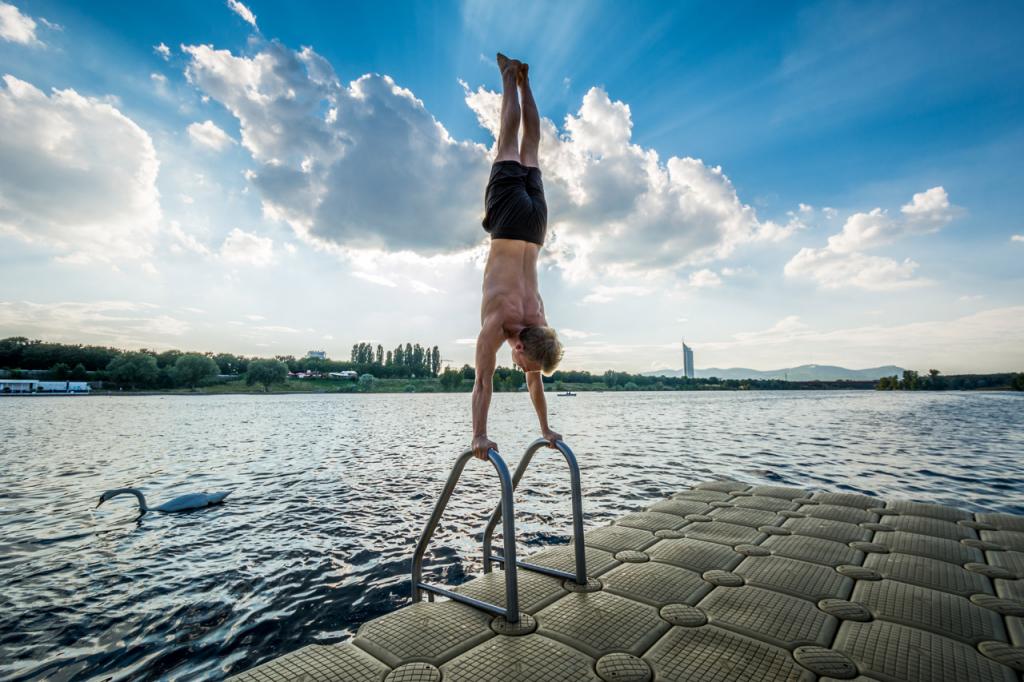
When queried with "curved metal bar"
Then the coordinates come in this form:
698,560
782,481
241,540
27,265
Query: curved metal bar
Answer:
511,610
577,516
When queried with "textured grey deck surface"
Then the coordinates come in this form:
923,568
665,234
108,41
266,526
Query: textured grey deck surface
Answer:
727,582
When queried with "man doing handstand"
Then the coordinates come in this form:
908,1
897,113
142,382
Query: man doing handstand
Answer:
516,217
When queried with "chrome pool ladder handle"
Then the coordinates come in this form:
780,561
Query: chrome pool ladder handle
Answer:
508,529
508,560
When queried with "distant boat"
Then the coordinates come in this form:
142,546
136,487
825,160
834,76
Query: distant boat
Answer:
567,394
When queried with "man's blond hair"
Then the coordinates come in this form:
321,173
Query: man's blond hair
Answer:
541,344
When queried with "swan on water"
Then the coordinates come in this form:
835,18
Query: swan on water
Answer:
183,503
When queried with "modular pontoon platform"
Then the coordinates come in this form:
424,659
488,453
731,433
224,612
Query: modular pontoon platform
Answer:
722,582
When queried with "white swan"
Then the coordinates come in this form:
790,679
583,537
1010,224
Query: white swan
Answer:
183,503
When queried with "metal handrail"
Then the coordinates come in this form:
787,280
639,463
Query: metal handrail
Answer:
509,562
508,529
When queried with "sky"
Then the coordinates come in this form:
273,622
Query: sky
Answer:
775,183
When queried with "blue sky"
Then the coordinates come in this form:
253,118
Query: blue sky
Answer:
780,184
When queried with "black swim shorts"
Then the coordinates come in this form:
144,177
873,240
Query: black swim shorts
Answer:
514,203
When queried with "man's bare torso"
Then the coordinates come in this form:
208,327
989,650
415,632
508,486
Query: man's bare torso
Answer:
510,292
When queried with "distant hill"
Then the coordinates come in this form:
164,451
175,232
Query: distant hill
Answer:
801,373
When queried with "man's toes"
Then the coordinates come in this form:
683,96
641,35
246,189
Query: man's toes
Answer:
502,61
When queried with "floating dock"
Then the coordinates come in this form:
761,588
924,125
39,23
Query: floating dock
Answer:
724,582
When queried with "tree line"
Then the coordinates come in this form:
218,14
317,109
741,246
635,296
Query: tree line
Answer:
408,360
934,381
150,369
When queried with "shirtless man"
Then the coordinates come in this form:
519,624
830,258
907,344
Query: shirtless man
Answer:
516,217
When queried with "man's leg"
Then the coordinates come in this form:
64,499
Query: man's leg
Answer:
531,121
508,138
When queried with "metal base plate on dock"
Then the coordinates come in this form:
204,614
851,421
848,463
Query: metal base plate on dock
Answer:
727,582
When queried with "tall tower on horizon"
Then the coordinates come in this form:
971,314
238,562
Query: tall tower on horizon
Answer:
687,360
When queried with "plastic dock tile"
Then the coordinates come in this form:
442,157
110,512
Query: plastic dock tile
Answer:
838,512
888,651
656,583
1007,538
1002,521
764,614
428,631
950,551
319,663
840,531
720,583
745,516
652,521
938,575
536,590
798,578
724,533
601,622
1011,561
920,607
696,555
532,658
617,538
779,491
711,654
847,500
764,502
563,558
680,507
935,511
925,525
814,550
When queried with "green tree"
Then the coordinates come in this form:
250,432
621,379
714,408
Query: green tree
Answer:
366,382
192,368
1018,382
435,361
228,363
910,380
134,369
450,379
79,373
60,371
266,372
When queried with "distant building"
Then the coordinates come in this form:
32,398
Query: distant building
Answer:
687,361
317,354
34,386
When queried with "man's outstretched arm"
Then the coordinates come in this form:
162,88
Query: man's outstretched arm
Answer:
487,344
535,383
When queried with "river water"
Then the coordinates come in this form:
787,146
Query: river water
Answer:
329,493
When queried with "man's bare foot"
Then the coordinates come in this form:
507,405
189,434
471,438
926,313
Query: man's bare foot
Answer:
505,65
524,73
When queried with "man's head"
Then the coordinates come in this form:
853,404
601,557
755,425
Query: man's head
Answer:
538,349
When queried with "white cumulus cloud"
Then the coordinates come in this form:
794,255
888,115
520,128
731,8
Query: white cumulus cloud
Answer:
163,51
1017,238
16,27
242,11
364,165
843,261
76,175
705,279
209,135
245,248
